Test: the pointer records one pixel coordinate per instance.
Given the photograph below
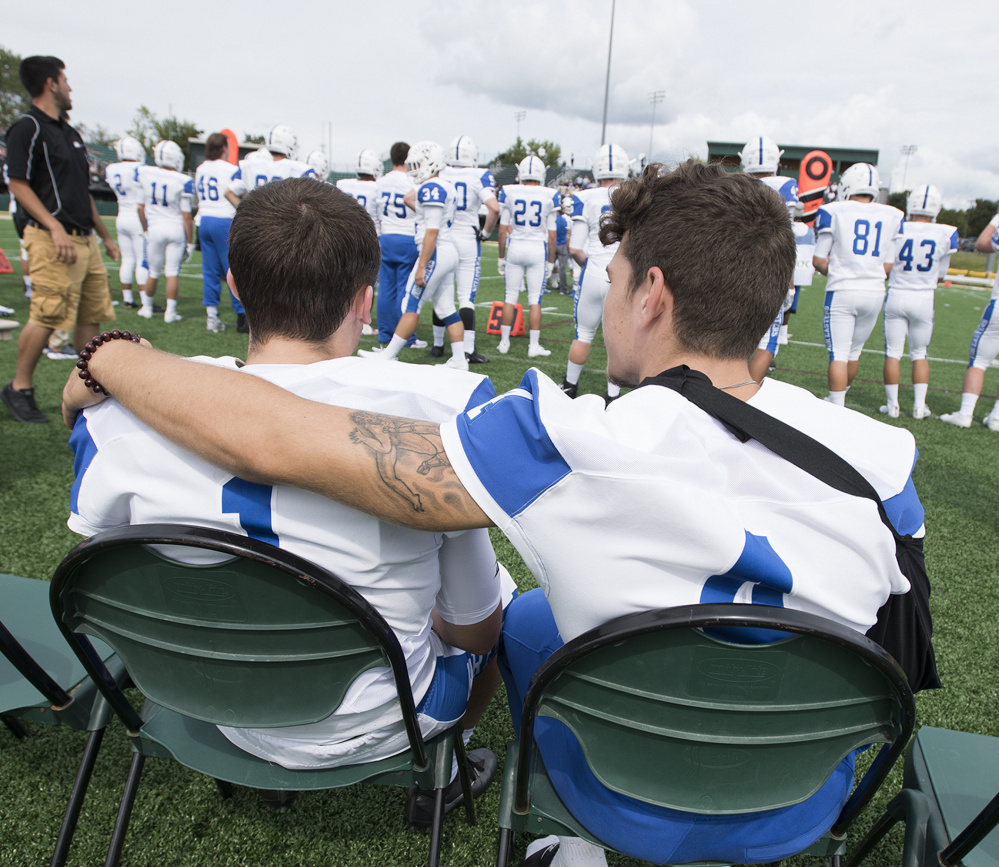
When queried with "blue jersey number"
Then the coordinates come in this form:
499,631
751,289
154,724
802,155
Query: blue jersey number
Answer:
251,503
862,237
163,201
906,255
520,211
209,193
362,200
461,188
399,204
117,185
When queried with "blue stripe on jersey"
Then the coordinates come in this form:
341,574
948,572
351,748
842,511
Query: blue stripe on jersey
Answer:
252,503
238,174
487,179
508,447
826,324
501,196
189,188
904,509
577,207
954,241
484,392
432,194
790,190
84,451
982,327
823,220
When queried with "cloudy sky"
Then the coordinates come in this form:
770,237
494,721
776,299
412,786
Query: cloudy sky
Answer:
854,73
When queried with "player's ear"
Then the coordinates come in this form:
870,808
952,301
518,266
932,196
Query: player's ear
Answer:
658,297
363,301
232,284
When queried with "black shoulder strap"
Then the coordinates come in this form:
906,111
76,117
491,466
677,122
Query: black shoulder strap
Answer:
747,422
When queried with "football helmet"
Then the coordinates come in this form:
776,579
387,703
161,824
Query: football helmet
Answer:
861,179
317,159
924,201
531,169
168,155
760,156
610,161
282,140
367,163
424,160
261,154
463,151
130,148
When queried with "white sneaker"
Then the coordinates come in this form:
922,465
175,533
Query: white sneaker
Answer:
504,347
145,313
538,351
891,410
215,325
991,421
419,344
457,362
956,419
921,412
172,317
59,355
367,331
376,353
6,311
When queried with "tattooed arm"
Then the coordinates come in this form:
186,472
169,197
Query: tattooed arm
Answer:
390,467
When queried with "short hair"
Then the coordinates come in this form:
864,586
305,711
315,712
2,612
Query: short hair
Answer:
34,71
398,153
299,252
214,145
724,244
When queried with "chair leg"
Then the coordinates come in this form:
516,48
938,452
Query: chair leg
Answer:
505,847
463,775
125,811
226,789
436,829
76,797
909,805
17,728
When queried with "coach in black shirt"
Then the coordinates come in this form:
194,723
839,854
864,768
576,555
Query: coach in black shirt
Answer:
49,178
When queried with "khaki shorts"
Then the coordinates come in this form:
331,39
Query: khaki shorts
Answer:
63,295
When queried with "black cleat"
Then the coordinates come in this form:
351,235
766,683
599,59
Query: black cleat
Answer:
476,358
436,351
419,813
21,404
158,309
132,305
569,388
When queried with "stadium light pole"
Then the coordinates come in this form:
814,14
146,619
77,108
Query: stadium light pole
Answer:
655,97
610,45
520,115
908,150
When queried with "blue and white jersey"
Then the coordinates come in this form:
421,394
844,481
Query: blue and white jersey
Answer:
253,173
995,248
787,188
366,194
166,194
858,238
435,200
211,180
394,217
123,178
127,474
804,239
588,206
922,255
657,504
473,187
529,211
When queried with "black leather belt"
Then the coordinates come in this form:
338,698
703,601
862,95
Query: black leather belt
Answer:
82,233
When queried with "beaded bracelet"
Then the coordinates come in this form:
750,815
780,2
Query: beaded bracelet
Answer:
91,348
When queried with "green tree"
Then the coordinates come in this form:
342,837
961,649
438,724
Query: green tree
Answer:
97,134
253,139
142,128
898,200
957,219
14,100
150,130
549,152
979,214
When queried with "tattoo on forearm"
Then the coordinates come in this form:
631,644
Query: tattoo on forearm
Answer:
389,439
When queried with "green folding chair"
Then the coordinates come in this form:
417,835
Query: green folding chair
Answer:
948,802
41,680
247,635
670,708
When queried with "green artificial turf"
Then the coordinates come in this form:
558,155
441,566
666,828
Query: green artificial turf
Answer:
179,817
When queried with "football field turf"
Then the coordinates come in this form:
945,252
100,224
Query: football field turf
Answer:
179,817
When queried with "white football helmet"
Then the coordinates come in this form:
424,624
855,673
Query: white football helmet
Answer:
531,169
861,179
282,140
424,160
610,161
760,156
367,163
168,155
924,201
130,148
317,159
261,154
463,151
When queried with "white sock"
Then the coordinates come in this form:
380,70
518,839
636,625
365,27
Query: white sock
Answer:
171,307
572,372
838,398
147,302
439,335
782,337
126,296
576,852
394,347
968,401
613,389
535,337
505,333
469,341
27,283
891,392
919,389
458,349
212,312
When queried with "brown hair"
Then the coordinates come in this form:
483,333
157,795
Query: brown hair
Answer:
724,244
398,153
34,71
299,252
215,145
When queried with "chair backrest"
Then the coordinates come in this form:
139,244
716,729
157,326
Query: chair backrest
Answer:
670,710
257,638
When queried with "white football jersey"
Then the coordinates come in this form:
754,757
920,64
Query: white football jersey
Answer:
127,474
922,255
365,192
787,188
394,217
473,187
804,270
165,194
434,209
859,240
995,248
211,180
123,178
529,211
588,206
253,173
